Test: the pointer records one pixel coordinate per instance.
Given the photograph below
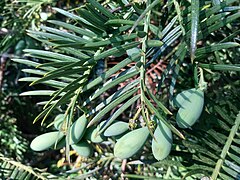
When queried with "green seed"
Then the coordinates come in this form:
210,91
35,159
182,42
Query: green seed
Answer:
60,144
191,109
131,143
161,147
92,134
83,148
77,129
58,121
182,97
116,129
46,141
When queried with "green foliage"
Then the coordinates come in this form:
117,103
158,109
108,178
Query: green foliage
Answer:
10,169
198,41
12,143
13,26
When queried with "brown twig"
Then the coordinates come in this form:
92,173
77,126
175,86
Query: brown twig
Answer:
3,61
123,168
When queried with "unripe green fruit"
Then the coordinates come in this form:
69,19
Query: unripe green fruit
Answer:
46,141
60,144
83,148
92,134
116,129
161,145
58,121
183,97
131,143
190,109
77,129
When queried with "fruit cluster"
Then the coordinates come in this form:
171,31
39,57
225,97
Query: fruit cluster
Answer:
128,142
79,135
190,103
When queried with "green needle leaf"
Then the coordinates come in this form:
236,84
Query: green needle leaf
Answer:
152,5
194,27
221,67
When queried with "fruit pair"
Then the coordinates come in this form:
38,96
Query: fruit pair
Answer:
56,139
132,142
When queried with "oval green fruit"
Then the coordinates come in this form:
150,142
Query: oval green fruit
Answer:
58,121
83,148
46,141
191,109
92,134
161,145
116,129
183,97
131,143
60,144
77,129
